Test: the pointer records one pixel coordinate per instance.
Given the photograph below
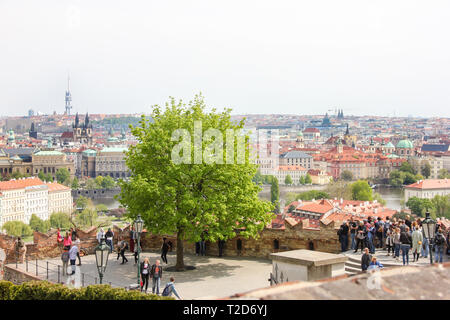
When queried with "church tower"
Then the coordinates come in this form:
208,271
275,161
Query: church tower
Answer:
68,99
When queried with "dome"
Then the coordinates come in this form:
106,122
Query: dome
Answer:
406,144
389,145
300,134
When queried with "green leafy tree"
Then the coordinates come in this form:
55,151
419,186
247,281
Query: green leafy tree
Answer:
258,178
339,189
86,218
101,207
377,196
16,175
361,191
301,180
37,224
308,179
275,194
288,180
108,183
98,182
312,194
443,174
193,196
441,205
91,184
347,175
82,202
426,170
17,229
60,220
41,175
62,174
407,167
409,178
75,183
396,178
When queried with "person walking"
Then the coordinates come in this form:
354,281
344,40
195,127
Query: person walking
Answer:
78,244
109,239
343,236
366,258
353,229
360,237
417,239
164,250
170,288
156,275
67,242
73,258
65,261
137,249
145,273
405,245
132,239
221,244
100,235
123,247
397,243
439,243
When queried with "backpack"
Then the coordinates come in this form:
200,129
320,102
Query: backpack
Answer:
65,256
167,290
339,232
440,240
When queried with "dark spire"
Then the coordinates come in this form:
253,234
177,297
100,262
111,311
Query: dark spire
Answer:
86,121
32,127
77,120
346,131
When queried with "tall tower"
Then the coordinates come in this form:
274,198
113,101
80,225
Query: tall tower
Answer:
68,98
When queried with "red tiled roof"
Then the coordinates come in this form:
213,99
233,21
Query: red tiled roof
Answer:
20,183
55,186
67,135
430,184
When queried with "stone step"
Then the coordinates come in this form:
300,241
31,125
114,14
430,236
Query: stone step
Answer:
353,264
352,269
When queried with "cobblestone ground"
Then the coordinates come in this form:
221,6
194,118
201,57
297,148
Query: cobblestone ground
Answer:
213,277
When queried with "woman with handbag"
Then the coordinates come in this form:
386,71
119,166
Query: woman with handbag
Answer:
145,274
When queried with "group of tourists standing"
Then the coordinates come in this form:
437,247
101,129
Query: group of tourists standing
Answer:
394,235
70,247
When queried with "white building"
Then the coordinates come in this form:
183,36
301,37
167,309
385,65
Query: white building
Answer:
428,189
59,198
294,171
36,202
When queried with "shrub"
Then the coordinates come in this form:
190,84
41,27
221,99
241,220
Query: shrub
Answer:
44,290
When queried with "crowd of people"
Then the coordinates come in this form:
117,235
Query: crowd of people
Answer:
393,235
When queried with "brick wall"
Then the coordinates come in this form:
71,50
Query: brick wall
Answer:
17,276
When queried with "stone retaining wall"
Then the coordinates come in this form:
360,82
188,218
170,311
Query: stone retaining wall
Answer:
17,276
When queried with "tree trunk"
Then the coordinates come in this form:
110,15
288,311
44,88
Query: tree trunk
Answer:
180,258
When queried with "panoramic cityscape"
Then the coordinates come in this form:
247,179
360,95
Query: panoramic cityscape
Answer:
168,195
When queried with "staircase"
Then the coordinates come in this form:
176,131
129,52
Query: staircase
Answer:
353,264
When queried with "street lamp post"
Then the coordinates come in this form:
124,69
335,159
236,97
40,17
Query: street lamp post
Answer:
138,226
101,257
429,228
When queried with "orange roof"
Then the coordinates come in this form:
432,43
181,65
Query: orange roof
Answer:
20,183
291,168
316,208
430,184
55,186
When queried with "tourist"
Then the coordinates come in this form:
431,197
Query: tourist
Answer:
77,243
59,240
73,257
73,234
408,221
397,243
405,245
343,236
379,229
203,245
170,288
145,273
109,239
100,235
123,247
439,243
402,225
374,264
390,242
132,239
448,242
417,239
67,241
156,275
371,237
164,250
360,237
221,244
20,250
366,258
137,250
353,229
386,227
197,248
65,261
425,248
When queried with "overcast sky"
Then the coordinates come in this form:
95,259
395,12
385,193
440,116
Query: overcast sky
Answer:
255,56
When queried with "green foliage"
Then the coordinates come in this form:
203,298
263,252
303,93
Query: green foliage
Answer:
288,180
419,206
37,224
91,184
361,191
62,174
377,196
443,174
426,170
409,178
75,183
16,175
108,182
407,167
347,175
339,189
101,207
41,175
301,180
43,290
397,178
441,206
189,198
86,218
82,202
17,229
258,178
275,194
312,194
308,179
291,208
60,220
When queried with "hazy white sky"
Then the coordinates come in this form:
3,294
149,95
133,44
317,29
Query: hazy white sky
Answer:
256,56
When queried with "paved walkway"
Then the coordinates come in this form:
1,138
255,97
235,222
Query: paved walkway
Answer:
213,277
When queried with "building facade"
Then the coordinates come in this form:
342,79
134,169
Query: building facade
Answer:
111,162
428,189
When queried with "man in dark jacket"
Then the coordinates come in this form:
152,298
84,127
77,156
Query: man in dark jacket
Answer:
156,275
343,236
366,258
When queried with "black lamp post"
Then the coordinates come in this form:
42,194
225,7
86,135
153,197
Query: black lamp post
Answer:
429,228
101,257
138,226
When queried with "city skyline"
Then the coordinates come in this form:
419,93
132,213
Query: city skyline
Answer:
295,58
